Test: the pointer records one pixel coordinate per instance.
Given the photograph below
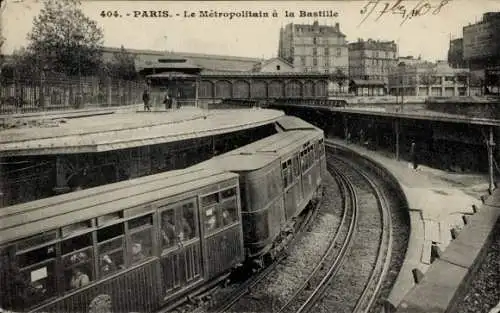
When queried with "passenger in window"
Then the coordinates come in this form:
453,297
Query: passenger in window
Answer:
211,222
187,231
137,254
168,230
79,279
107,265
79,257
226,217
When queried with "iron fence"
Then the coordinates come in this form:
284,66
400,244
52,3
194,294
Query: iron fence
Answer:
30,95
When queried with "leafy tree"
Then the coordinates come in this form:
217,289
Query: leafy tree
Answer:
340,77
123,65
65,40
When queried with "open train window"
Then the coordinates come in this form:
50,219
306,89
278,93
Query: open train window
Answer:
78,261
228,193
179,224
229,212
37,269
168,232
110,249
210,199
210,219
140,238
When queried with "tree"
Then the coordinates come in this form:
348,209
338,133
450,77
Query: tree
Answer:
340,78
123,65
428,77
65,40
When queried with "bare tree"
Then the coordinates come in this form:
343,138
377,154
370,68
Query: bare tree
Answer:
428,78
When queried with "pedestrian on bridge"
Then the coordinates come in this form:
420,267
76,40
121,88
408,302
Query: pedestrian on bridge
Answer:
145,98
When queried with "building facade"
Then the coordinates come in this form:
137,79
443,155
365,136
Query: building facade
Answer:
481,42
372,60
428,79
274,65
456,53
314,48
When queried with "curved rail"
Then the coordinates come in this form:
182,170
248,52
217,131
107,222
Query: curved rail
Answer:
383,258
320,288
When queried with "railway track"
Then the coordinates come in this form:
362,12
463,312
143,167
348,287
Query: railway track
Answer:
363,236
305,296
370,281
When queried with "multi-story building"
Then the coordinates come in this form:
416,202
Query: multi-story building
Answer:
420,78
314,48
372,60
481,42
456,53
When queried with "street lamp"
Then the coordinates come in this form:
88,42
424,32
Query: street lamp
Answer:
402,71
79,37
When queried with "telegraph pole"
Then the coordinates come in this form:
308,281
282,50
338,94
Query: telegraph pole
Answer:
491,144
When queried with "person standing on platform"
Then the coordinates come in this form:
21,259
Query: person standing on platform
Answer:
146,98
167,101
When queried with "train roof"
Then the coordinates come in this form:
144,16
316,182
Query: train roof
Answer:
239,162
38,216
261,153
280,143
128,130
288,122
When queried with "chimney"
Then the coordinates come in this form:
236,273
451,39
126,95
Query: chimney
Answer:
337,27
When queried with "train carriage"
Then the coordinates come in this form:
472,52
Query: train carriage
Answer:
134,249
279,175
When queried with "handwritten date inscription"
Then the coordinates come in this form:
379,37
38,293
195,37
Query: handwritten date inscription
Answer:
401,7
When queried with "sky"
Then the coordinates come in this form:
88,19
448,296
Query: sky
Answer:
426,35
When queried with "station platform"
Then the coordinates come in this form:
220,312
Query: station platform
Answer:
437,201
71,113
125,129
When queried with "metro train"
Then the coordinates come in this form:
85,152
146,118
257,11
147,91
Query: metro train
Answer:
142,244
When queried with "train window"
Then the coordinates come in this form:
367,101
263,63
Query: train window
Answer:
77,261
144,221
101,220
110,248
35,256
210,199
210,220
228,193
141,238
229,212
37,240
73,228
284,174
188,222
168,229
39,282
296,171
37,271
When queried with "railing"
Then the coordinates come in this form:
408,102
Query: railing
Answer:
311,102
29,95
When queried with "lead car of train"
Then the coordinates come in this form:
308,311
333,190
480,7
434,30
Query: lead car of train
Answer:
138,245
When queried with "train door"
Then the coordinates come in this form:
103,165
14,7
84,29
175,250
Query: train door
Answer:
180,247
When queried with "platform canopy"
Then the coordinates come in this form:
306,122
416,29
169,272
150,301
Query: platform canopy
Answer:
367,83
166,64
